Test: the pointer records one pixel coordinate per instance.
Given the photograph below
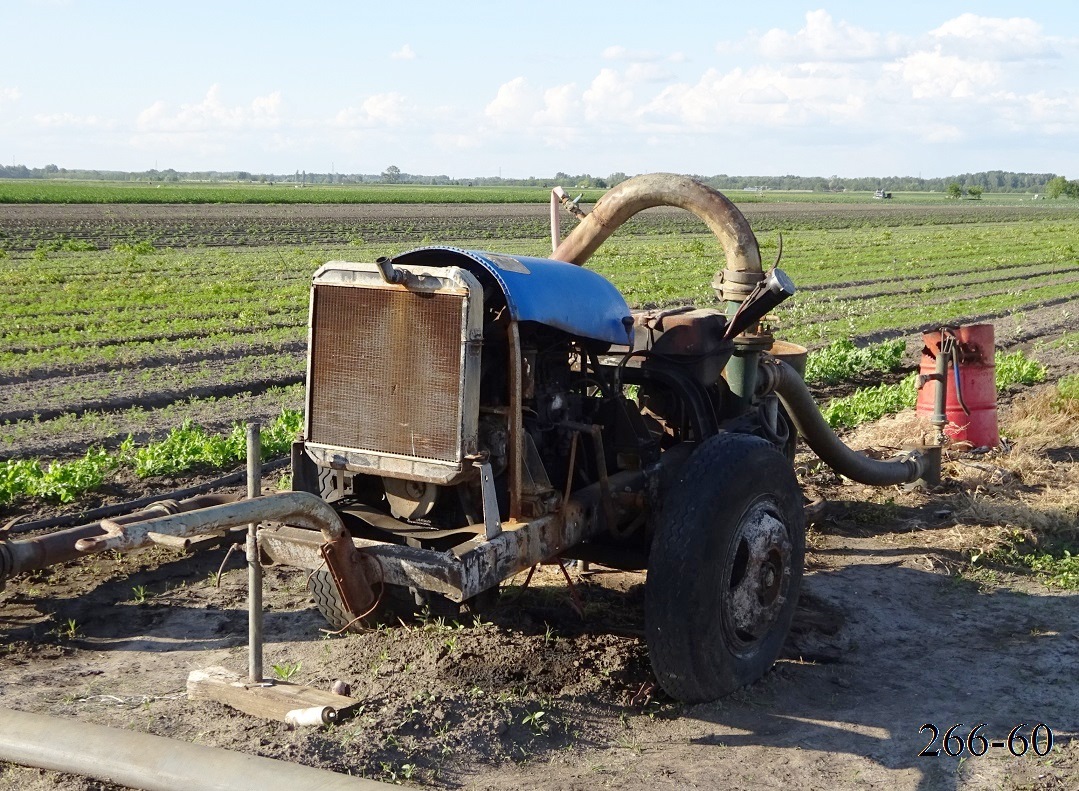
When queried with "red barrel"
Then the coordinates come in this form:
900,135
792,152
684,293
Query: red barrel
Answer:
977,381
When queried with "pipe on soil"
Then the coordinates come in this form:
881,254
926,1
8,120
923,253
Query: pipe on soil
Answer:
153,763
17,556
801,407
664,189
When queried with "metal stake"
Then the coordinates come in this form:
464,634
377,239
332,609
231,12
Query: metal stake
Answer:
254,565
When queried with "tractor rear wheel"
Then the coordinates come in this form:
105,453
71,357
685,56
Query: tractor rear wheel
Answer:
725,568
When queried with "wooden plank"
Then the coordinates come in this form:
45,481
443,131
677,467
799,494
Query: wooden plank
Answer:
271,700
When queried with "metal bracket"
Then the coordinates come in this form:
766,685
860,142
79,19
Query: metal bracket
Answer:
346,567
492,524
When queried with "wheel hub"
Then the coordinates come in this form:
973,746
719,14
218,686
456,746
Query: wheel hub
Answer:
758,575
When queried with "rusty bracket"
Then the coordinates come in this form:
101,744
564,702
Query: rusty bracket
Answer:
346,566
491,523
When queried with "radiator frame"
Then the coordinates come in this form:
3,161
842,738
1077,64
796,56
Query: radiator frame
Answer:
422,279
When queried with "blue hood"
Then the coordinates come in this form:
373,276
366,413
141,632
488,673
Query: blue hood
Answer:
554,293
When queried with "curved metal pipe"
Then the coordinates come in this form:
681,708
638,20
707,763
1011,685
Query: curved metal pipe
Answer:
801,407
19,555
664,189
300,509
153,763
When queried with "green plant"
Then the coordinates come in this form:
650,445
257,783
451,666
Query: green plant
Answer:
141,247
842,360
287,670
535,720
1016,368
70,629
140,594
1059,571
871,403
1067,389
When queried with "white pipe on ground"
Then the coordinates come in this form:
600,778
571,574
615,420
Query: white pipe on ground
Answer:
153,763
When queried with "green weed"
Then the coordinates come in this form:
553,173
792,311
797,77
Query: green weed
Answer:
1059,571
142,247
183,449
842,360
140,594
287,670
871,403
1016,368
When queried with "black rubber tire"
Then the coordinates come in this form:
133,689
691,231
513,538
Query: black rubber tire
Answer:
701,644
328,601
404,602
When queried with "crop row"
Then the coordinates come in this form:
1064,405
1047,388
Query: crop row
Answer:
185,448
263,316
873,403
71,433
25,228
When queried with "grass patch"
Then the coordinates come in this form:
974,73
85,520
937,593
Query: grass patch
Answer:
184,448
871,403
1059,571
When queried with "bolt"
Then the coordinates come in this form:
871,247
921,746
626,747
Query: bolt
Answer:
769,577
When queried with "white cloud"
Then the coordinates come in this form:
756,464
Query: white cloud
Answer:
561,106
379,110
933,75
9,95
262,112
405,53
609,97
514,103
72,121
823,39
994,38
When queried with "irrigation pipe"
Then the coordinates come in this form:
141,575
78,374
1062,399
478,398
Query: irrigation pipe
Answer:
153,763
803,411
97,514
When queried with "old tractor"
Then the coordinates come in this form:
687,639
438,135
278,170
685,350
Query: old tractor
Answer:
471,414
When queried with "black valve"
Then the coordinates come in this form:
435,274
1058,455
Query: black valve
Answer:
766,295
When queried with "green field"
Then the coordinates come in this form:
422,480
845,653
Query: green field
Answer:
56,191
99,343
61,191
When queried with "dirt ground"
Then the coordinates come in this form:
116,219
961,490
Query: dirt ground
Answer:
896,629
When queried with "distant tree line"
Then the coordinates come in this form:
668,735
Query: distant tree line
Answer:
969,183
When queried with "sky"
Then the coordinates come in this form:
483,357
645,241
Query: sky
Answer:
524,89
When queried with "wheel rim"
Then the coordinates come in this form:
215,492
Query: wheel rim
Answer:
756,577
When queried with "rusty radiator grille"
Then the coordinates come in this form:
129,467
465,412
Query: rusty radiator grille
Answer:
386,371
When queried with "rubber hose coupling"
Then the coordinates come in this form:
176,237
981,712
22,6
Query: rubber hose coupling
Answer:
733,286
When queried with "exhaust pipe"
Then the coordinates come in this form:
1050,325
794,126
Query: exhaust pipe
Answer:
153,763
667,189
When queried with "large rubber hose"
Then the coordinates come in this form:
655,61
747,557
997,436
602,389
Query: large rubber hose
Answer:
801,407
664,189
153,763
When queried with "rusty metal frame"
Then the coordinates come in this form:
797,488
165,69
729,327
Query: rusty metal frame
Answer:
483,565
515,421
